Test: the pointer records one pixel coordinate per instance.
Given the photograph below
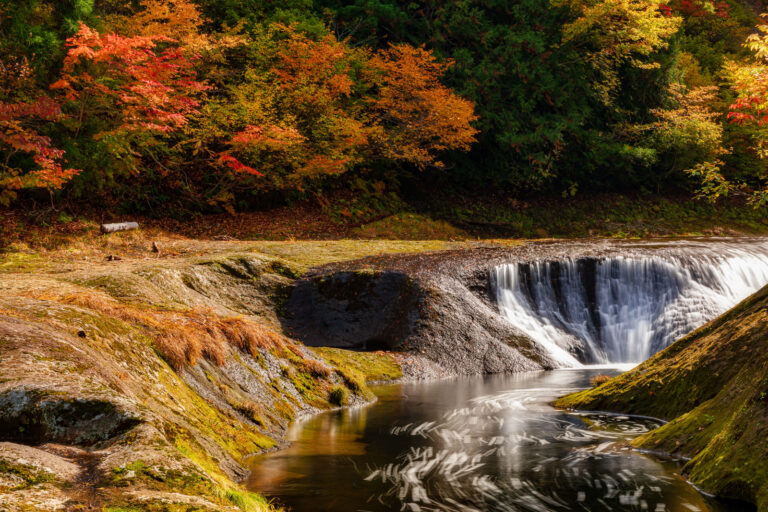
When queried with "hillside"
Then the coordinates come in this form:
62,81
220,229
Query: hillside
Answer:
145,382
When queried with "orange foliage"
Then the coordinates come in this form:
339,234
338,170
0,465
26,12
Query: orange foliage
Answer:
21,122
273,137
312,128
139,86
18,135
320,69
421,116
328,106
177,19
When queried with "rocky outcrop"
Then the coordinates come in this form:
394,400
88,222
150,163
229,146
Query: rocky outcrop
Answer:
423,314
93,413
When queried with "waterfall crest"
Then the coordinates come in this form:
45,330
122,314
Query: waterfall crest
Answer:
623,309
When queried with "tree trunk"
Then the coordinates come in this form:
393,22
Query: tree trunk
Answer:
120,226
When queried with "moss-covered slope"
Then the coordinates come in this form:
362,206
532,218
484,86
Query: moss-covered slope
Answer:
712,386
144,387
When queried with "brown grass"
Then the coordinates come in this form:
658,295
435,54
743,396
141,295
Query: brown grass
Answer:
182,338
249,336
599,380
203,333
250,410
317,369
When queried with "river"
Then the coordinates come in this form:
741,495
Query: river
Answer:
488,443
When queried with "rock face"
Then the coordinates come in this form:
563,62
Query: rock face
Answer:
357,310
34,416
426,311
712,386
92,413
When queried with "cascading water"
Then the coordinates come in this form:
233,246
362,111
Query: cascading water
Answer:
625,308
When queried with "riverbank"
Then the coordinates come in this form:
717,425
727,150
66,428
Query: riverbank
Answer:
446,218
143,380
151,370
711,386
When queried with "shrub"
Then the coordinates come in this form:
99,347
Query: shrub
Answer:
338,396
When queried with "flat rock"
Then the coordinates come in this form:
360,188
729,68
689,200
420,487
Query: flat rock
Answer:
60,467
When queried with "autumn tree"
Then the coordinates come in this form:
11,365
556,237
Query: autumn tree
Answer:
322,107
421,117
749,81
125,94
182,21
179,20
618,32
687,135
294,111
28,158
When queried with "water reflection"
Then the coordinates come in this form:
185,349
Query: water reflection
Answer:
474,444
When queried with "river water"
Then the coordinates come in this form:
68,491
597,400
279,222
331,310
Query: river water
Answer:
488,443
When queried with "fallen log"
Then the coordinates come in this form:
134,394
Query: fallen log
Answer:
119,226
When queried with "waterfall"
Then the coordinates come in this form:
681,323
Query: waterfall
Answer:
623,309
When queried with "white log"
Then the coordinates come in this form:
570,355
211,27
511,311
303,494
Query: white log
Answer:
120,226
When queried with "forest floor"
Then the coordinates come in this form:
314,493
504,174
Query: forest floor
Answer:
29,234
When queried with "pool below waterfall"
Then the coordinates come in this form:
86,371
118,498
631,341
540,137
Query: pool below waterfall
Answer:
475,444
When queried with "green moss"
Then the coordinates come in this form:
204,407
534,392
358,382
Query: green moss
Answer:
354,381
247,501
13,261
410,226
614,216
230,434
29,475
711,385
159,478
338,396
374,366
280,296
118,287
281,268
302,255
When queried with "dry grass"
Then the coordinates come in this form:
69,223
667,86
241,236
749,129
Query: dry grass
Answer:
183,338
250,410
317,369
201,333
599,380
248,336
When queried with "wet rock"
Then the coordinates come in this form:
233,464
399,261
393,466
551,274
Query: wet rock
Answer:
430,315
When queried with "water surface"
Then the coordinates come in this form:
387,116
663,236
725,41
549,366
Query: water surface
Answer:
474,444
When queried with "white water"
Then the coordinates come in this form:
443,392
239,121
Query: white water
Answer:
625,309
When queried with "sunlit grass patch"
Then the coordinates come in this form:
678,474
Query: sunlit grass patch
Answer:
410,226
